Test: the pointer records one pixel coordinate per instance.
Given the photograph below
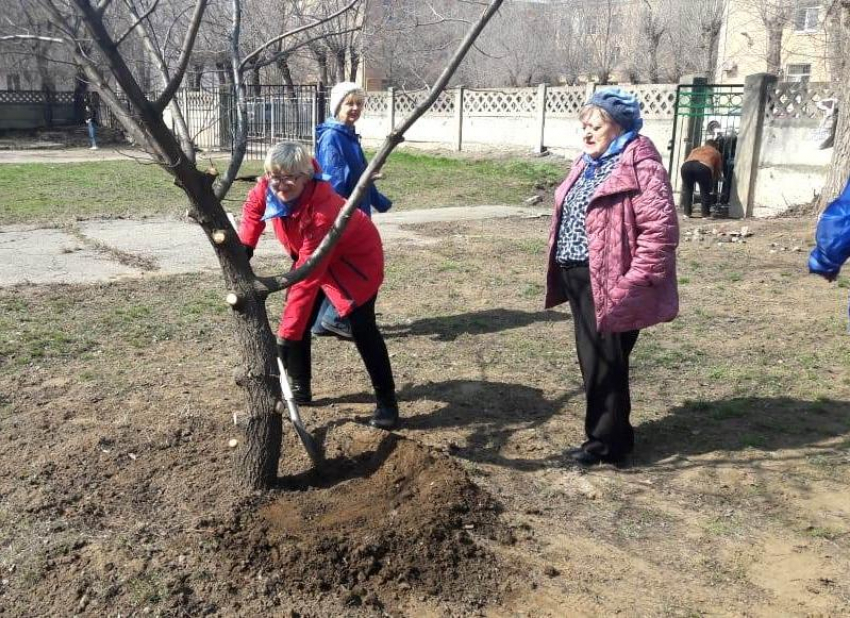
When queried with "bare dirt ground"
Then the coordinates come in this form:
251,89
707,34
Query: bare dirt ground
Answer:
117,405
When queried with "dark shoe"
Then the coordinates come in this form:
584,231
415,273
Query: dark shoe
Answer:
339,327
583,457
302,393
385,417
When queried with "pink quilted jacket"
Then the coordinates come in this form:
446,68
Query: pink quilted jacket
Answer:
632,232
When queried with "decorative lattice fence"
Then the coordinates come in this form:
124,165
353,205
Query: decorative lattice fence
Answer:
35,97
504,102
565,100
797,100
406,102
657,101
377,103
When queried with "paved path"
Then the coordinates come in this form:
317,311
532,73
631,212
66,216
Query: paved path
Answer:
109,249
71,155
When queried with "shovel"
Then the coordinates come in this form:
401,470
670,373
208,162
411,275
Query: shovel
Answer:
307,440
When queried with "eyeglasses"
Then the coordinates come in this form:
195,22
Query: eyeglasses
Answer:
276,180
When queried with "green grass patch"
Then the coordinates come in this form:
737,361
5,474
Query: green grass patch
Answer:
416,180
45,192
57,192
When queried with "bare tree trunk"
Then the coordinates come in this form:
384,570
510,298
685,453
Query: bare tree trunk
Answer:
354,58
322,62
839,171
339,56
196,76
255,81
774,49
285,76
257,462
712,45
652,68
223,74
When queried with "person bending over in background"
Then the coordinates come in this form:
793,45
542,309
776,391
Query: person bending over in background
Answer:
302,207
612,256
703,167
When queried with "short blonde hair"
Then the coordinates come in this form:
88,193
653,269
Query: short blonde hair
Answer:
289,158
589,110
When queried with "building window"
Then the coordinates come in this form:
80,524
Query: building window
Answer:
13,82
806,16
798,73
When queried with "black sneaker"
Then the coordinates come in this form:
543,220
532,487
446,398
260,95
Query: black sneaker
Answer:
384,417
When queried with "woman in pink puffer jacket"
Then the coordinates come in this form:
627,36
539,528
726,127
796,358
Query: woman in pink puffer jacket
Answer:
612,256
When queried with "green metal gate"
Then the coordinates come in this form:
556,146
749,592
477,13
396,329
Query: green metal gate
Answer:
702,112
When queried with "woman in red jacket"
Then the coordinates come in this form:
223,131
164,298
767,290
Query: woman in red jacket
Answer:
302,208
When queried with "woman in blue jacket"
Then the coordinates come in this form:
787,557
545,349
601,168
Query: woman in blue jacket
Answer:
341,157
832,239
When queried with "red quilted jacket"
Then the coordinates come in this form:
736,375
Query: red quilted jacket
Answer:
632,232
349,276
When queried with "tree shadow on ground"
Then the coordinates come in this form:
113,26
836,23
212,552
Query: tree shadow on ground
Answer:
727,425
493,412
450,327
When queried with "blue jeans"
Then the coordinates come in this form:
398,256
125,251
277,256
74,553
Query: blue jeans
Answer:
92,132
327,313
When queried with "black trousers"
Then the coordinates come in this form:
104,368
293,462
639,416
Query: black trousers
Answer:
604,362
694,172
370,344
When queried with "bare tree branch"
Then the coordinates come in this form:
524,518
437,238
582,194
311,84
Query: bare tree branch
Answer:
273,58
185,54
250,57
158,59
31,37
138,21
102,6
267,285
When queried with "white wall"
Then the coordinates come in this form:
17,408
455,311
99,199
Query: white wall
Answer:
561,134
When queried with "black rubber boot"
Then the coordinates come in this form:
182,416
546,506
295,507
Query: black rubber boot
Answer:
386,412
296,359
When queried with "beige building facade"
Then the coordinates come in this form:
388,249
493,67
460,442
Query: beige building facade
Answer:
743,46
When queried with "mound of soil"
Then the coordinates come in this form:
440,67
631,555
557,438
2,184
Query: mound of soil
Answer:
383,516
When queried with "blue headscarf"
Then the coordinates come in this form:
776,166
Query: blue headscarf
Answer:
276,207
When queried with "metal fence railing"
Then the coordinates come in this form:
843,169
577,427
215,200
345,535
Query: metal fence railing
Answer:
274,113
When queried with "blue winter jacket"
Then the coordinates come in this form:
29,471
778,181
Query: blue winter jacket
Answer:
340,156
832,237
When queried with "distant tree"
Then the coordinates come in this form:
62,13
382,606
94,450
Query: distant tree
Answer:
601,27
410,40
775,16
142,116
838,14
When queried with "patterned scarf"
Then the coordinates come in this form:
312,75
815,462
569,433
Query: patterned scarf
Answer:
614,148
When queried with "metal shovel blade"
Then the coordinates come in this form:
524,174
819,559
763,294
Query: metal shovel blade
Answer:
313,450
